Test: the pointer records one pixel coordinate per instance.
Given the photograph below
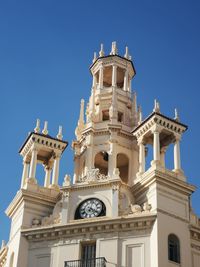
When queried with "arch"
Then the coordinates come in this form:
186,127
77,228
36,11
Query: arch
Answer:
173,248
101,162
11,262
123,166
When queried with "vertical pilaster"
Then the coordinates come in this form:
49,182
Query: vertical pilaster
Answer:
141,157
112,163
101,77
126,80
114,75
89,153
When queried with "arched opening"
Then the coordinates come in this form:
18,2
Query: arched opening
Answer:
107,76
123,166
173,248
11,260
101,162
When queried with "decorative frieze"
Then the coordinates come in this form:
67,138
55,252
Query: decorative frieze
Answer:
90,227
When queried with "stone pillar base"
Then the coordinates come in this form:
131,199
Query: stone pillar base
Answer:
156,163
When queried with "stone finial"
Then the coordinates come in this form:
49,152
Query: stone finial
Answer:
114,50
59,135
81,120
139,115
176,115
156,106
95,57
37,127
3,244
45,130
101,52
126,55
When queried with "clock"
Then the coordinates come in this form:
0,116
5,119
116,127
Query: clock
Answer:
90,208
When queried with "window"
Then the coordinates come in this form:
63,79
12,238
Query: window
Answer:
173,248
120,117
105,115
88,254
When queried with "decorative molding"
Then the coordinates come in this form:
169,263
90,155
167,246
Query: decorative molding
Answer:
3,256
93,176
90,227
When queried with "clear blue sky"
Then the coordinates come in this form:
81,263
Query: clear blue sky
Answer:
46,48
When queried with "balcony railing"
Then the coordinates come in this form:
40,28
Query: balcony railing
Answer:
97,262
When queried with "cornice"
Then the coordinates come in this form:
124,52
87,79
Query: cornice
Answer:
162,120
42,139
91,226
42,197
85,185
3,256
162,176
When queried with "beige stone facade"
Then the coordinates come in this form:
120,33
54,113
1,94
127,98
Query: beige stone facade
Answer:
114,211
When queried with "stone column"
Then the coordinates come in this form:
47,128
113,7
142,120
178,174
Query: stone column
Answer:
114,75
141,156
130,85
101,77
115,200
112,162
56,171
89,153
94,82
33,163
47,180
25,172
177,157
126,81
156,147
162,156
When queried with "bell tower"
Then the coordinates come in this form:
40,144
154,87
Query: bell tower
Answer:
104,140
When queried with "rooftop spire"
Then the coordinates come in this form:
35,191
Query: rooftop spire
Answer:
156,106
127,54
101,52
95,57
37,127
140,115
176,115
114,49
59,135
45,130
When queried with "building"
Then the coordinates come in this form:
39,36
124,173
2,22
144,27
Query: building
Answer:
115,212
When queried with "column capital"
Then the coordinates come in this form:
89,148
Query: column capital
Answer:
25,160
56,155
156,129
177,137
141,141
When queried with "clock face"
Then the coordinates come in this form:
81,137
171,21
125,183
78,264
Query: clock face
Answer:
90,208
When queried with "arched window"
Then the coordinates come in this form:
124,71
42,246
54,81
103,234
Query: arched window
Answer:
101,162
173,248
123,166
